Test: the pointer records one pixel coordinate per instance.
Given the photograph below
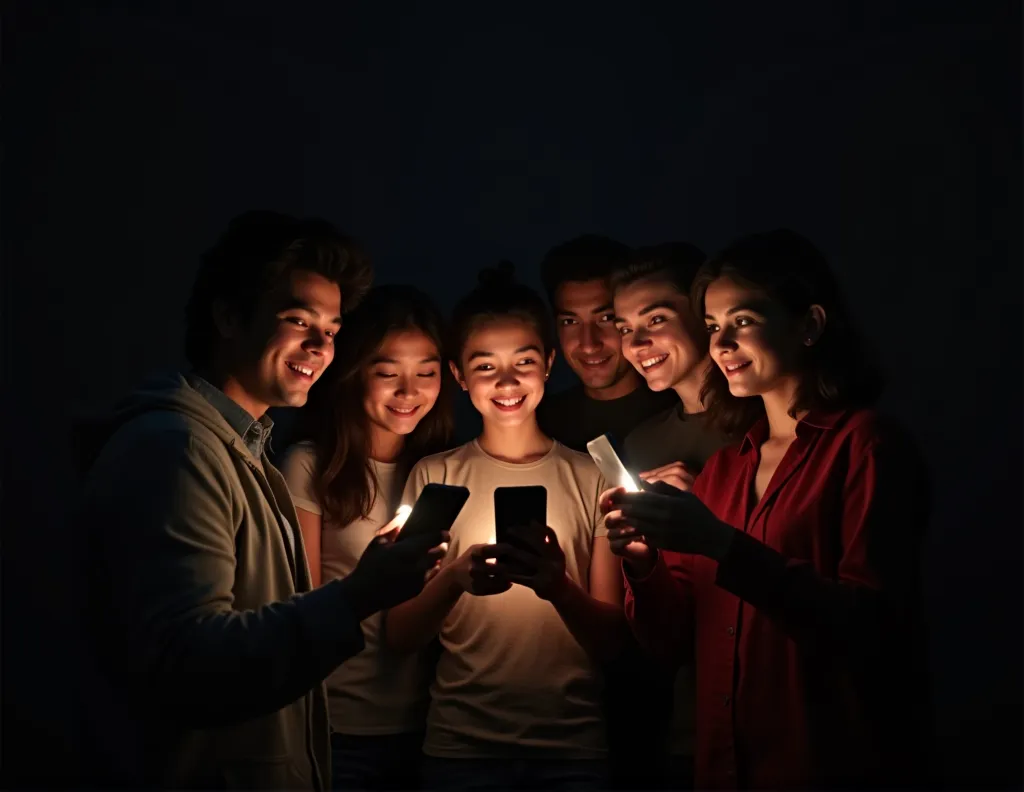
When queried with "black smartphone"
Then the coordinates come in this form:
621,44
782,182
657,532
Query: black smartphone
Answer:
435,510
516,509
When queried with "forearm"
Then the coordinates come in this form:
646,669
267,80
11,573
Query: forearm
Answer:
223,667
837,616
599,627
658,610
415,623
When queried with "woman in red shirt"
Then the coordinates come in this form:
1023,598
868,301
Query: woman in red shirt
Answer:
790,571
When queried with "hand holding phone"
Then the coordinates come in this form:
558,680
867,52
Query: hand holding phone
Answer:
434,512
518,512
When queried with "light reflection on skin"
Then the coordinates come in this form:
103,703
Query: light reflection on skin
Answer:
402,515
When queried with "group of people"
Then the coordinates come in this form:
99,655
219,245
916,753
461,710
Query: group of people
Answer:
748,619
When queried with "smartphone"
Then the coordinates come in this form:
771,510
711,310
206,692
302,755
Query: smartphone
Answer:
603,452
516,509
435,511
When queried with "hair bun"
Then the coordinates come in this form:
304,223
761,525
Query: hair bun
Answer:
503,275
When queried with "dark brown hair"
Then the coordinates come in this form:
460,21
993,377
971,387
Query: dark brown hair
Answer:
837,372
335,419
498,296
587,257
254,253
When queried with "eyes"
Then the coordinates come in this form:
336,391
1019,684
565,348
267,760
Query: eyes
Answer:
296,320
655,320
522,362
566,321
739,321
392,375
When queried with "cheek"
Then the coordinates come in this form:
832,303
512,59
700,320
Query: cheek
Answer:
431,391
376,394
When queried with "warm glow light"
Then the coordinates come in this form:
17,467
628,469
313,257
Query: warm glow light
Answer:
402,515
628,484
494,540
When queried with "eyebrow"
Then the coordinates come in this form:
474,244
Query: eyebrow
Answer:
392,361
605,308
527,348
664,305
752,307
298,305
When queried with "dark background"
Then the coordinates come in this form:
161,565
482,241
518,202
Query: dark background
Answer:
447,136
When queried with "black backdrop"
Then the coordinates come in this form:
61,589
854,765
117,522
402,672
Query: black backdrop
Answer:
450,135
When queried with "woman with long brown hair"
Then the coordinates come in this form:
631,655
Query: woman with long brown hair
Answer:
383,405
789,570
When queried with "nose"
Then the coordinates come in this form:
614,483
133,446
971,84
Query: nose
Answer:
316,341
639,340
507,378
724,340
405,386
590,337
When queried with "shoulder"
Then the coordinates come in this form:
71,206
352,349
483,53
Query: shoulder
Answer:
435,466
300,456
165,434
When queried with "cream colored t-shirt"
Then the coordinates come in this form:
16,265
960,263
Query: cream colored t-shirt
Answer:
377,691
511,679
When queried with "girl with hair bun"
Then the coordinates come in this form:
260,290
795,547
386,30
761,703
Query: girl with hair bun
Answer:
516,699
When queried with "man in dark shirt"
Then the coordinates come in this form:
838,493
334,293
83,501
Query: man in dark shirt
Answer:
612,396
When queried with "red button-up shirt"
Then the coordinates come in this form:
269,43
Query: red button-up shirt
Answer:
806,636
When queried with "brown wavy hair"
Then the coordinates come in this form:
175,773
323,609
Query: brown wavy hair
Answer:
837,372
335,419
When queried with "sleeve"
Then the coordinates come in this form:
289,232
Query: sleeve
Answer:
162,504
419,477
884,513
299,471
659,608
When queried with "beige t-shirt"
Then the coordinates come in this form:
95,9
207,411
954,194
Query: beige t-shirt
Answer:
377,691
511,679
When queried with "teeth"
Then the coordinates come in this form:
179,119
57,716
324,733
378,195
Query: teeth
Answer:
734,366
403,411
595,362
653,361
509,402
301,369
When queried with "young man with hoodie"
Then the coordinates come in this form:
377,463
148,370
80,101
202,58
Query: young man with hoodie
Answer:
208,646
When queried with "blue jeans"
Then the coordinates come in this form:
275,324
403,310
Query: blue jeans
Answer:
371,762
484,774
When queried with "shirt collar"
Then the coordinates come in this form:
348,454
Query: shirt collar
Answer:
255,433
821,420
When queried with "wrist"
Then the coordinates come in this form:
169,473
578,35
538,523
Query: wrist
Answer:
559,590
360,594
450,583
639,569
721,540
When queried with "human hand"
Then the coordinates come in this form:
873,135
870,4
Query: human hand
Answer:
625,541
681,523
675,474
471,573
390,572
537,561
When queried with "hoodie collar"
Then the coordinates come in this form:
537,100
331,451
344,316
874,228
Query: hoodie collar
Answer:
255,433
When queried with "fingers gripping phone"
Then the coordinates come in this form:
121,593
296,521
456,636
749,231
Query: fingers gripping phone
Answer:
604,453
435,510
516,509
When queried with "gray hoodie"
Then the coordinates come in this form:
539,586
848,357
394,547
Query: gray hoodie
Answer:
209,648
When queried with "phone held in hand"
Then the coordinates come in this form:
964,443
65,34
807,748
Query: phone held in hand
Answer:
435,511
517,511
603,452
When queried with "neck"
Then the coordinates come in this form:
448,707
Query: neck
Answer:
781,426
625,385
234,390
689,387
385,446
522,443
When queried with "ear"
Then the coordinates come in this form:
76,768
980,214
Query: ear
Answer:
814,325
550,363
225,319
457,374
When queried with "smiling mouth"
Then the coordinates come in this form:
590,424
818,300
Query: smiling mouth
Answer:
735,368
509,405
299,370
594,362
403,412
653,362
